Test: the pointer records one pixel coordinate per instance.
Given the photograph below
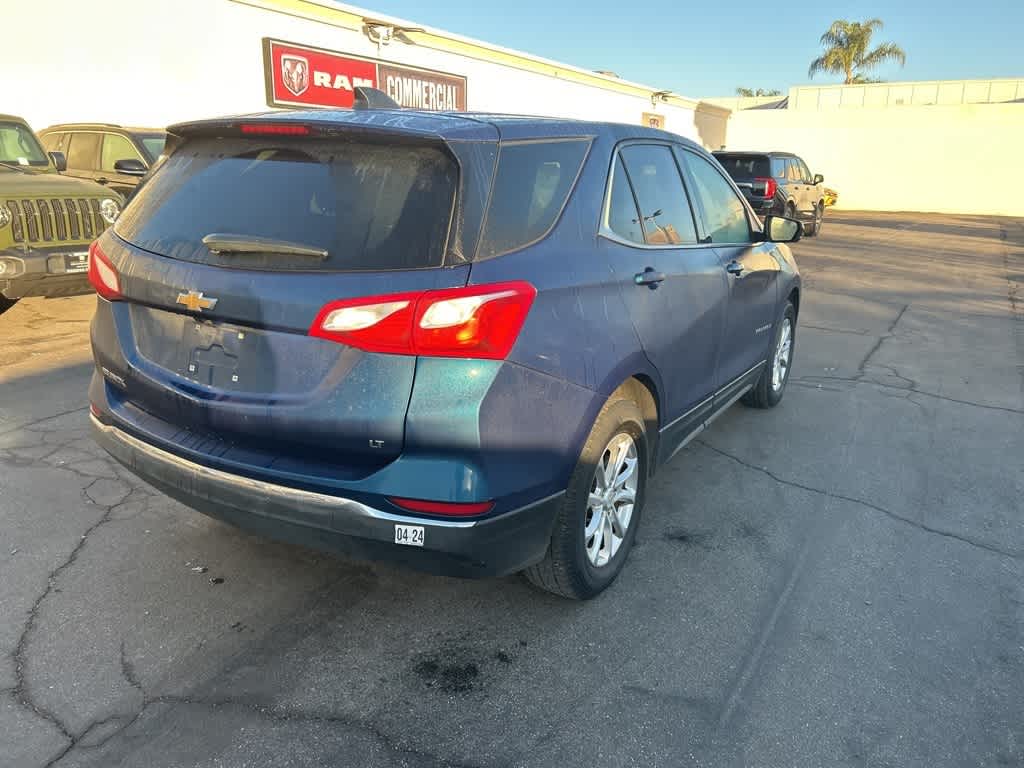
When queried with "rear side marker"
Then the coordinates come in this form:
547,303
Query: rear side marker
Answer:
443,507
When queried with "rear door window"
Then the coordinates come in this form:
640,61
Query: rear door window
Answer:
725,216
532,183
369,206
665,211
779,168
83,151
794,171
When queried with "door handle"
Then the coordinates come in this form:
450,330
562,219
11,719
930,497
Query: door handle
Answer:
102,180
734,268
649,277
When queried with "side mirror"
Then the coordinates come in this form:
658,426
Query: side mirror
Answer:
60,161
130,167
818,178
779,229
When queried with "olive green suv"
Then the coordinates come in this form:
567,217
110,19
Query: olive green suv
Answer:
46,220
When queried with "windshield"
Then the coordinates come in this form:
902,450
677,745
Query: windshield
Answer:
154,144
19,146
368,206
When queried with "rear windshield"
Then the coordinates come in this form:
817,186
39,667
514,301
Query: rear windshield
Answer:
745,166
370,207
531,185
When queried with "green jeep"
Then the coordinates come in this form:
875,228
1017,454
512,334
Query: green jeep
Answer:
46,220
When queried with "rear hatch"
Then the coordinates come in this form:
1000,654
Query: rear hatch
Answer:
751,172
226,256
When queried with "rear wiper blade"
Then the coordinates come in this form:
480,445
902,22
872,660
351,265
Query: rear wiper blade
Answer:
228,244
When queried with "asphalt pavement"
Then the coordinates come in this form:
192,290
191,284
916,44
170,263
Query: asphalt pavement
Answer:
835,582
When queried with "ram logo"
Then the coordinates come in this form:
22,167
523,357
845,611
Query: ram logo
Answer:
295,73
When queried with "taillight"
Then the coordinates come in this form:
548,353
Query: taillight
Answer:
770,185
274,129
102,274
479,321
443,507
377,324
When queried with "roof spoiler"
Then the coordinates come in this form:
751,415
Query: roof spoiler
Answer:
373,98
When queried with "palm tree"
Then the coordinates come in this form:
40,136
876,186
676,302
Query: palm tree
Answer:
846,51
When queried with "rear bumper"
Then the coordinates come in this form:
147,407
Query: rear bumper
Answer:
762,206
41,272
485,547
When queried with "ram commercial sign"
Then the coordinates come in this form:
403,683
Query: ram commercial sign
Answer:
302,76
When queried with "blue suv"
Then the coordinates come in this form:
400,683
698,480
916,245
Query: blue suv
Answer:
459,341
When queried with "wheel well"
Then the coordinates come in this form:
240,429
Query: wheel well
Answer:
642,391
794,298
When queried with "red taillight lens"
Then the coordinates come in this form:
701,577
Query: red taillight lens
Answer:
274,129
377,324
443,507
770,186
102,274
480,321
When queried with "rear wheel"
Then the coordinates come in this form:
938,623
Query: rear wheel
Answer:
819,214
770,386
597,520
6,304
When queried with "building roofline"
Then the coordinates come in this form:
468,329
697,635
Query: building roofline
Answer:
352,18
891,83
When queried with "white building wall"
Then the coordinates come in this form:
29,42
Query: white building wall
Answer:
152,63
960,158
906,93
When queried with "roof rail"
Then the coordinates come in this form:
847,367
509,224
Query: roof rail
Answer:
373,98
65,125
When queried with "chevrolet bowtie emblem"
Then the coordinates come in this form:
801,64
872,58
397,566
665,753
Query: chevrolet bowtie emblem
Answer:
194,301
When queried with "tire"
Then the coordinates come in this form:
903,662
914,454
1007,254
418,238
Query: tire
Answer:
790,211
819,215
570,567
6,304
766,393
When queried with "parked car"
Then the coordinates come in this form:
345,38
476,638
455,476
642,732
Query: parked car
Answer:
46,220
778,183
459,341
112,155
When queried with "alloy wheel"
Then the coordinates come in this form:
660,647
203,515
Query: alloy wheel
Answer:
611,500
780,365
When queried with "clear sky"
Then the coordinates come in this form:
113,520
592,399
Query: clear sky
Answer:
709,48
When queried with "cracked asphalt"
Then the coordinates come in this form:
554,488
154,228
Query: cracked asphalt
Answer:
838,581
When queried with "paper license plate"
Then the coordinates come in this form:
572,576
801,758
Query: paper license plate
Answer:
410,535
76,262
